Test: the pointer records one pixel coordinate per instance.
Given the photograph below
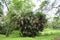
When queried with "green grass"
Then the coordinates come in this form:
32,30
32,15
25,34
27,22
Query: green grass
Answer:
47,34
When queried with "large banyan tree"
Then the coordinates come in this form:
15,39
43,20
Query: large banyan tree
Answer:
20,16
28,24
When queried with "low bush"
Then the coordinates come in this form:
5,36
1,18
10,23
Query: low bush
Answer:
31,25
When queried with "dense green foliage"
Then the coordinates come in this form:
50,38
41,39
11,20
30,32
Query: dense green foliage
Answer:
30,25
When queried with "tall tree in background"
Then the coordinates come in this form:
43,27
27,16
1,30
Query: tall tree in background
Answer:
1,8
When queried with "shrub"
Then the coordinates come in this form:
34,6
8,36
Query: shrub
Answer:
2,30
31,25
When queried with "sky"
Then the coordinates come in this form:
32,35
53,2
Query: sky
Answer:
5,8
49,14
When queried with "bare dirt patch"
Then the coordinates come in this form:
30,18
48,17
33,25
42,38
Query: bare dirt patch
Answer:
56,38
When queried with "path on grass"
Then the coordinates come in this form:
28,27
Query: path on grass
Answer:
56,38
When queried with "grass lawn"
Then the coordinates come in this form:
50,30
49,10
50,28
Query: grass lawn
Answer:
47,34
